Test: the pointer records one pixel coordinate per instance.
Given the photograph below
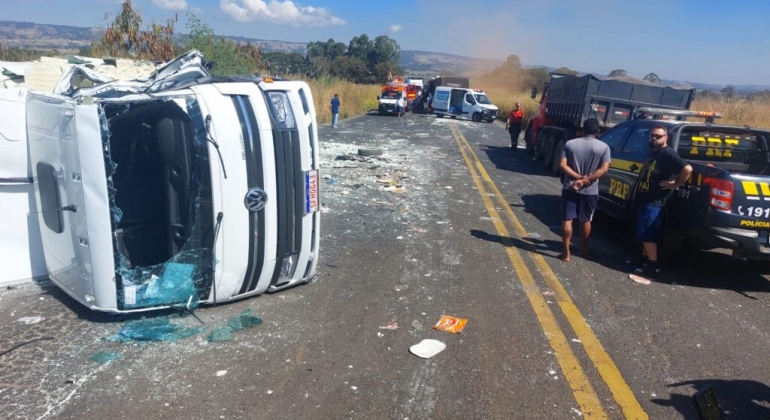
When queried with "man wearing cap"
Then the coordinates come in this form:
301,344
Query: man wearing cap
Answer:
583,161
513,125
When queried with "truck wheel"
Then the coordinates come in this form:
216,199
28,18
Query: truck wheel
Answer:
548,146
528,132
476,117
557,158
540,144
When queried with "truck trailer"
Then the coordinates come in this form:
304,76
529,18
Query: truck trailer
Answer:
568,100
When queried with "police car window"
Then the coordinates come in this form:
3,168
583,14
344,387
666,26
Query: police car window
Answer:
638,140
442,95
482,99
469,99
614,138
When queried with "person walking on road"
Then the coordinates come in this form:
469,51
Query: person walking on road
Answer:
335,106
583,161
400,106
662,173
513,125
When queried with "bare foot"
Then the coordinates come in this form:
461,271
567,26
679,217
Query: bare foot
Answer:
564,257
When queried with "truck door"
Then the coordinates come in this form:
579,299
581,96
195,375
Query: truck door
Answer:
64,174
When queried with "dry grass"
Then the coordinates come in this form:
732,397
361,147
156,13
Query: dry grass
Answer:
355,99
359,99
737,111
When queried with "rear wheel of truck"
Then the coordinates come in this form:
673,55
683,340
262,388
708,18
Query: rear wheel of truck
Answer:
548,154
540,143
476,117
557,158
527,146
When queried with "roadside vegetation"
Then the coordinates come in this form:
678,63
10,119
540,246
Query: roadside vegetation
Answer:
355,70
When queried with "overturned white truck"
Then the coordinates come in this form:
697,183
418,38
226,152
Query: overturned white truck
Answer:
175,190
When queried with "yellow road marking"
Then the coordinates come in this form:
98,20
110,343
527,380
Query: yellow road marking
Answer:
584,393
607,369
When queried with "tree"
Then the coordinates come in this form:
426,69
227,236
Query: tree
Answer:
618,73
384,57
652,78
513,63
280,62
728,92
537,77
124,37
230,58
360,46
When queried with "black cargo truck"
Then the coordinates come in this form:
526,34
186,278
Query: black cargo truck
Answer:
568,100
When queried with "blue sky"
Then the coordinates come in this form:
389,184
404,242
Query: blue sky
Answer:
720,42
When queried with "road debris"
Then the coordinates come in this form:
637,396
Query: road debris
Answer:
221,334
160,329
427,348
29,320
450,324
244,320
390,327
640,279
221,373
16,346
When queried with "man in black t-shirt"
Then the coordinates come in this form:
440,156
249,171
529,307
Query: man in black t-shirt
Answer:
662,173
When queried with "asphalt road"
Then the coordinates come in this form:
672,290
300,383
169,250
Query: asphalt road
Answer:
449,221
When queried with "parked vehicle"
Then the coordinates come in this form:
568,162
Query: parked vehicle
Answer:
388,99
424,101
175,190
568,100
463,103
722,205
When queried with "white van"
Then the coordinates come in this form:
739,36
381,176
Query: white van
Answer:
175,190
463,103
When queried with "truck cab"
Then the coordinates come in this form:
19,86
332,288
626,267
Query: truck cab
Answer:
721,205
464,103
176,190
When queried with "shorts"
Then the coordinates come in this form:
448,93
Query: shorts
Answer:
399,109
649,219
578,206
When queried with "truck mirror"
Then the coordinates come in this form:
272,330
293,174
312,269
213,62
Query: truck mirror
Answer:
533,95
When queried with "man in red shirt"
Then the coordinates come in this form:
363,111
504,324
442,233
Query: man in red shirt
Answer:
513,125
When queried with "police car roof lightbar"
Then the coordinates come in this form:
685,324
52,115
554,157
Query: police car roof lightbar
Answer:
709,115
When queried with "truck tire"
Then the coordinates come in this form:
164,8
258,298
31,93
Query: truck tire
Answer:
540,143
476,117
549,151
527,146
557,158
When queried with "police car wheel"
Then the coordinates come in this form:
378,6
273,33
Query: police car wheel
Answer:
476,117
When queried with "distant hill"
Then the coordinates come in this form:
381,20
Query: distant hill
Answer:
70,39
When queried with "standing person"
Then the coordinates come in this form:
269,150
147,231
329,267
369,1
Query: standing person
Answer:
662,173
583,161
400,105
335,106
513,125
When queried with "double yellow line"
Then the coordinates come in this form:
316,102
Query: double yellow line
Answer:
584,393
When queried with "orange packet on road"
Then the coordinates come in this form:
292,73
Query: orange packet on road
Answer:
450,324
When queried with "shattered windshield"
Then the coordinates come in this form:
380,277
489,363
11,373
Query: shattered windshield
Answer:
482,99
160,195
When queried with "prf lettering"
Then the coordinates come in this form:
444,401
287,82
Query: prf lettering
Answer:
715,146
618,189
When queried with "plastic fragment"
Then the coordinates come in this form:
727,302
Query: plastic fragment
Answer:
29,320
244,320
221,334
390,327
450,324
153,330
639,279
103,357
427,348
